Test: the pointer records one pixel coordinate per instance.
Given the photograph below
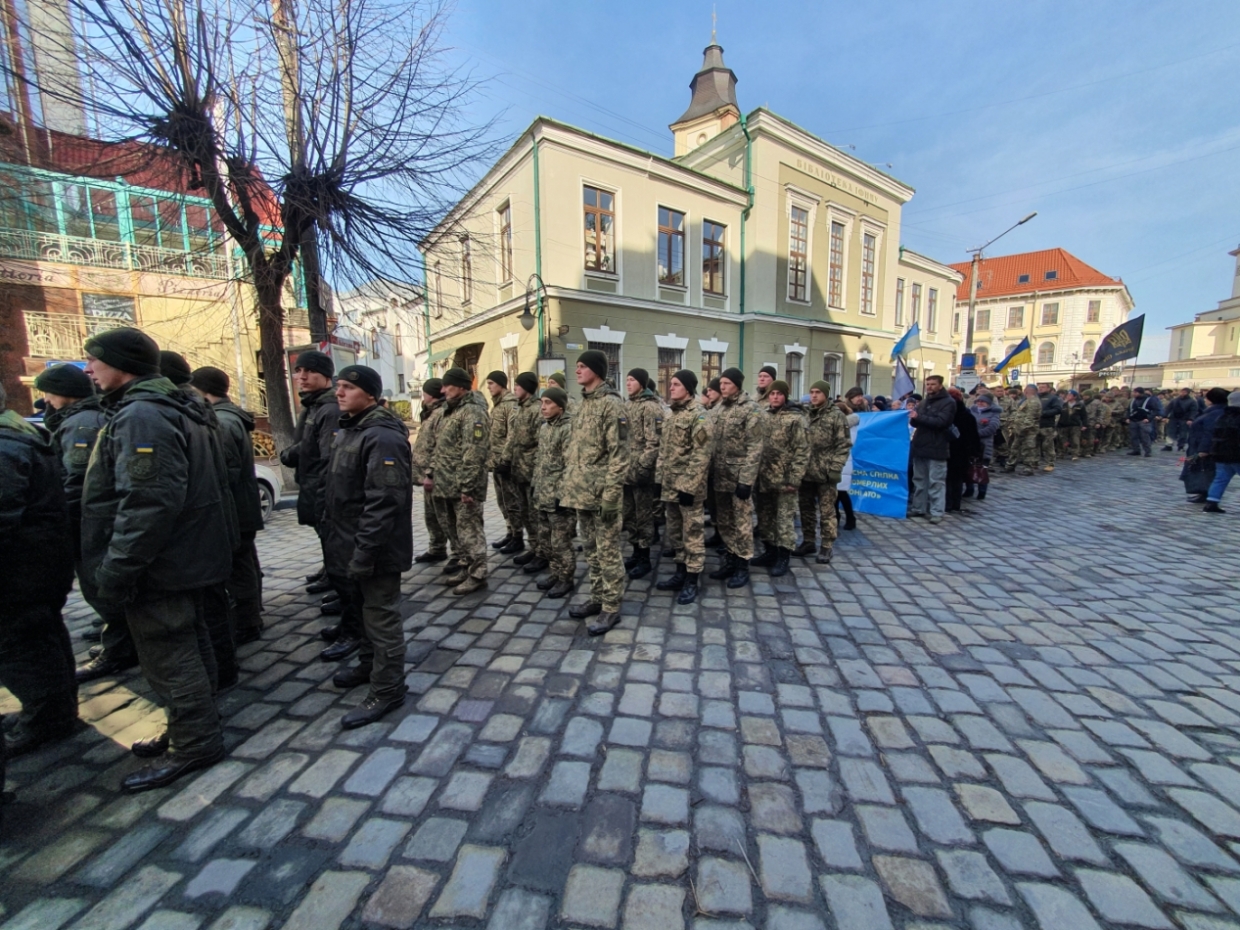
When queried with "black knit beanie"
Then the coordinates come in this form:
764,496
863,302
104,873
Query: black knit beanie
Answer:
735,375
458,377
433,387
66,381
558,378
316,361
172,365
714,385
770,370
595,360
499,378
688,379
366,378
127,349
557,396
210,380
528,381
641,376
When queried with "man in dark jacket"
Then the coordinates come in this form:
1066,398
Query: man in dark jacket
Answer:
36,660
929,450
1048,426
1143,410
368,536
155,533
74,418
1180,415
242,603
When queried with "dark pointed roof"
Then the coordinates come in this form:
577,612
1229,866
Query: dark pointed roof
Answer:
714,86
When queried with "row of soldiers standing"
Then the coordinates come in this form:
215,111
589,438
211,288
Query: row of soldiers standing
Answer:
602,464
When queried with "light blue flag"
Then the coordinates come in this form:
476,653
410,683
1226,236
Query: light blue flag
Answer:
903,385
908,342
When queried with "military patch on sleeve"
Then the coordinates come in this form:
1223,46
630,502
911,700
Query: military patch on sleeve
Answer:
391,474
701,438
141,465
80,453
624,428
477,429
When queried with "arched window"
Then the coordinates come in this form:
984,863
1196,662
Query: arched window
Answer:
863,375
1088,350
792,374
400,342
1009,350
1046,353
374,343
831,374
983,358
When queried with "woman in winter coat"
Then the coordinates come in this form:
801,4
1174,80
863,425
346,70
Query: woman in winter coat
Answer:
1225,450
987,414
1199,468
963,447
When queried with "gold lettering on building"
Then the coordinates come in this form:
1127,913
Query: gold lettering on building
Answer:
836,181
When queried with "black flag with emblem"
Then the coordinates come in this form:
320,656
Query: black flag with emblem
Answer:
1120,344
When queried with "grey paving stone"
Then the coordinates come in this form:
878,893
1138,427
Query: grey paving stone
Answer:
581,738
914,884
608,829
856,903
1018,777
865,781
373,843
468,888
723,886
718,828
772,808
970,876
592,896
784,869
1101,812
376,772
1120,899
272,824
630,731
654,907
1056,908
784,918
1209,811
1165,876
1019,853
437,839
661,854
1190,845
567,784
834,839
937,816
400,897
543,852
334,819
518,909
622,771
1067,836
718,784
408,796
130,900
886,828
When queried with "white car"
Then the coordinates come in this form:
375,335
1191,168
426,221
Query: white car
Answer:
270,487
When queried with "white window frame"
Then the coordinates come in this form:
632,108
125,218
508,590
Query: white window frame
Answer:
467,269
837,384
795,197
901,287
838,213
795,390
437,279
723,255
606,334
506,249
932,309
1054,351
686,242
617,275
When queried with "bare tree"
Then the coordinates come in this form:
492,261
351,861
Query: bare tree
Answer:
337,121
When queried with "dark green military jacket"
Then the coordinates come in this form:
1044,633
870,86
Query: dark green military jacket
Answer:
459,462
553,437
236,425
74,429
317,424
523,429
685,450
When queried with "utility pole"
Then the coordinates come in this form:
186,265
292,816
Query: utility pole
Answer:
290,82
974,272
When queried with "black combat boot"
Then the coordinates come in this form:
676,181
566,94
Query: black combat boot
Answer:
806,548
740,573
525,558
641,567
725,570
781,565
768,557
535,565
675,581
688,593
514,545
501,543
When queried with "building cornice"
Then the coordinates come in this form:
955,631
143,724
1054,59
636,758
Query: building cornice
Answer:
917,260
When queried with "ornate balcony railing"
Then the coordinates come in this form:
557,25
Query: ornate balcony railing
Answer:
60,335
100,253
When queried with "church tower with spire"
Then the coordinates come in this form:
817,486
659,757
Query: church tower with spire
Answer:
712,108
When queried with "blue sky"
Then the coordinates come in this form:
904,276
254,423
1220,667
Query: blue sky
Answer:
1118,122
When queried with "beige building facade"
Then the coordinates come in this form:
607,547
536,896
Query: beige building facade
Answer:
759,244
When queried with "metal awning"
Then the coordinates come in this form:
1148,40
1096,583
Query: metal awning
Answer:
441,355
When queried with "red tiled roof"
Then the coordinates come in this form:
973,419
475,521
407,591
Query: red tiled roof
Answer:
1000,276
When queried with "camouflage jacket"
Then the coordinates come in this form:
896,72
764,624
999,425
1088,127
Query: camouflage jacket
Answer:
424,442
1119,410
739,432
785,452
502,413
830,440
1027,414
459,459
553,437
598,454
684,453
1098,413
645,413
523,428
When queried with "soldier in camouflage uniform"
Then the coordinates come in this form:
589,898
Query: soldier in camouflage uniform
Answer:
520,455
1077,424
645,412
503,409
431,419
557,378
739,432
1025,419
458,478
766,375
830,440
555,523
1098,416
785,454
1119,419
684,465
596,464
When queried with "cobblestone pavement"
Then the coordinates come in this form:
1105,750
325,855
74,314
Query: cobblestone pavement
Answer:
967,725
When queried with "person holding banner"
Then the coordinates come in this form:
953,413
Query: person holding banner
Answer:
830,441
784,456
739,433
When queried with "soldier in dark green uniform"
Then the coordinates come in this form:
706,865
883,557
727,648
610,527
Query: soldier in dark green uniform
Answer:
244,602
503,409
739,434
458,478
785,453
830,441
521,453
155,533
368,535
684,465
431,418
594,487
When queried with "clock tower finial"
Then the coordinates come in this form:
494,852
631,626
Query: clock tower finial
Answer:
714,22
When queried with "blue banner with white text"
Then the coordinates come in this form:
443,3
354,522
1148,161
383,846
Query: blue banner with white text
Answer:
876,474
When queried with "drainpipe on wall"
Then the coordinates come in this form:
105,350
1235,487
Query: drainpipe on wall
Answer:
538,249
426,313
744,218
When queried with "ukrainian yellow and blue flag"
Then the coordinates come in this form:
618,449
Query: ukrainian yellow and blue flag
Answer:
1020,355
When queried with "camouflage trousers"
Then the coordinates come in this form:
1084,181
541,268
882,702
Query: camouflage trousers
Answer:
776,512
523,506
817,503
555,541
600,536
1024,448
639,514
1088,435
508,501
1118,436
686,533
463,523
734,520
1048,436
1070,440
434,529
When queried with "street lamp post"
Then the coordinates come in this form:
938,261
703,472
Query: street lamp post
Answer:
527,318
973,278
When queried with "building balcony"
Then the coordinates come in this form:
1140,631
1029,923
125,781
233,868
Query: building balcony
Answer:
100,253
61,335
